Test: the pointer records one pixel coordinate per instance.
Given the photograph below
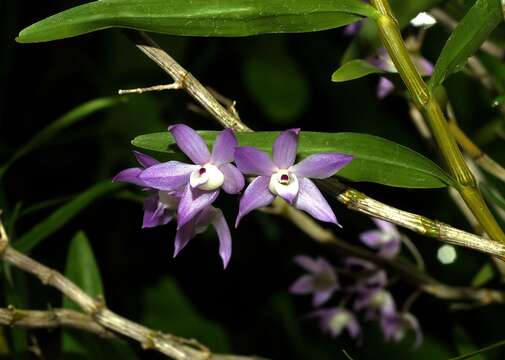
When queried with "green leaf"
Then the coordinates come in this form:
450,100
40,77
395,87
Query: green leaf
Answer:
199,17
468,36
464,343
354,69
276,82
82,269
63,215
73,116
485,274
375,159
167,309
480,351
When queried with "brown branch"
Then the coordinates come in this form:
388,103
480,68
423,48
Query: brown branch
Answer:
186,80
53,318
172,346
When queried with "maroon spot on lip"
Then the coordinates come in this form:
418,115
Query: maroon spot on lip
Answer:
284,177
202,171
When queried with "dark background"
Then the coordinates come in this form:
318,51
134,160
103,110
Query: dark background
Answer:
278,81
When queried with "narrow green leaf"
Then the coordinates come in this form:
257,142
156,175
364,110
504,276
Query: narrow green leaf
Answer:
485,274
375,159
82,269
464,343
63,215
471,32
73,116
480,351
354,69
199,17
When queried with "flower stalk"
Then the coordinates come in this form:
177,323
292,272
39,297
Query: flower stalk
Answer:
426,101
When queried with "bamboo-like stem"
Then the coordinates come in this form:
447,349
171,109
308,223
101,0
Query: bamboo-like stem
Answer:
170,345
53,318
424,99
358,201
475,153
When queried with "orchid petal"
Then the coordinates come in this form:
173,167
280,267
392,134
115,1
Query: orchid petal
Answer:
155,213
216,218
384,88
285,148
312,266
353,327
322,296
255,196
303,285
424,66
224,148
252,161
311,200
385,226
130,175
390,249
414,325
167,176
190,143
145,160
192,202
183,235
371,238
321,166
233,179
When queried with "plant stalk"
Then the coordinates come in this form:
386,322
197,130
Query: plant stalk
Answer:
427,103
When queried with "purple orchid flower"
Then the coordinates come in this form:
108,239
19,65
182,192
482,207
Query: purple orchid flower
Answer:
202,180
384,62
377,302
395,327
336,320
161,208
322,280
386,239
284,178
374,278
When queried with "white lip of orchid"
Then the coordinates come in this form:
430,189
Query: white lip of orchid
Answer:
379,299
283,179
338,321
208,177
170,201
386,237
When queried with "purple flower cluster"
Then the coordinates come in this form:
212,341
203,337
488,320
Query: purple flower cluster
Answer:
368,290
186,192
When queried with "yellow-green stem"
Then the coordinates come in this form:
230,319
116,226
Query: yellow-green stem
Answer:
427,103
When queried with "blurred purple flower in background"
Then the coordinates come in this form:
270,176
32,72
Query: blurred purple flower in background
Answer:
202,180
284,178
336,320
382,61
321,280
386,239
396,326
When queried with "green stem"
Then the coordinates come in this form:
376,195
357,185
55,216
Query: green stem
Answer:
427,103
